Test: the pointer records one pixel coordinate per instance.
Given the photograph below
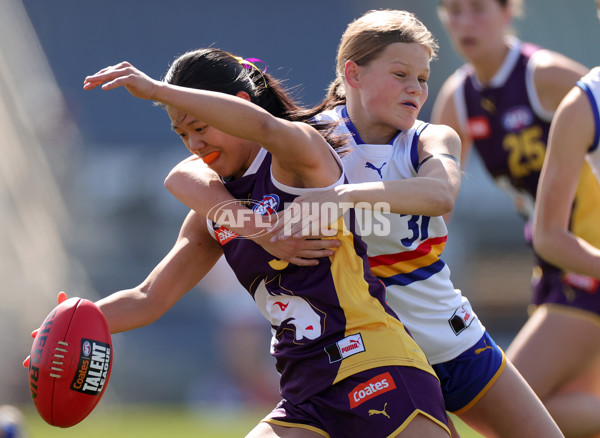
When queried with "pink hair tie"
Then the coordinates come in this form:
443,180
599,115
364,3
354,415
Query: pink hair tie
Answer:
251,62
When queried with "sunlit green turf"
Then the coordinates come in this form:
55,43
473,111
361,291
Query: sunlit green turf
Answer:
149,422
160,422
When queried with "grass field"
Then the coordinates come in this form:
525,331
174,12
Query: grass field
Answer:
159,422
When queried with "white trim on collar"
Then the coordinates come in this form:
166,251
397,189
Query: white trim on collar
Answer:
507,67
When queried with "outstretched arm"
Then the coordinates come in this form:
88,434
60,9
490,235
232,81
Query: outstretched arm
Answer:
571,134
194,254
301,154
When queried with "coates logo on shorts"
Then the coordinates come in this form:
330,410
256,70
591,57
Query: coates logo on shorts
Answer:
366,391
93,367
252,213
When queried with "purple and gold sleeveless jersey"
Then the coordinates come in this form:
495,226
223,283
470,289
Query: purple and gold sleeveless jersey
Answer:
329,321
510,130
507,124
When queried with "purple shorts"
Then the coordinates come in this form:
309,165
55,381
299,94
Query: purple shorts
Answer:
379,402
551,285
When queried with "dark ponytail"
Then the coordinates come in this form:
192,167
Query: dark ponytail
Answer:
216,70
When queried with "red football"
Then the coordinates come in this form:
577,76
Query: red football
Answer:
70,363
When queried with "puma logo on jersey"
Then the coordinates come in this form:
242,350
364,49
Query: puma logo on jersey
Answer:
349,346
376,412
481,350
375,168
488,105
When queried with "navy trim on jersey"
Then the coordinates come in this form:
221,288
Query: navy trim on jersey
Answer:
414,151
594,105
355,133
404,279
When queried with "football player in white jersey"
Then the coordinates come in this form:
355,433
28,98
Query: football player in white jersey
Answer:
383,68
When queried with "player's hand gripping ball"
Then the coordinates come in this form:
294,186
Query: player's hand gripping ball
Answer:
70,362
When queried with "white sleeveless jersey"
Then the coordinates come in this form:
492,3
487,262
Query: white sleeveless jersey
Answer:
590,83
404,250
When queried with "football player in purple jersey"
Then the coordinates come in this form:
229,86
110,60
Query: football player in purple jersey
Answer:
348,366
383,66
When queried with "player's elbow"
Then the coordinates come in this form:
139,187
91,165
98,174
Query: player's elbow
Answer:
175,182
446,203
442,201
170,181
542,242
548,238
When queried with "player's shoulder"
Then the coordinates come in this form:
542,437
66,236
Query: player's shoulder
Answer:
551,66
576,104
439,132
592,77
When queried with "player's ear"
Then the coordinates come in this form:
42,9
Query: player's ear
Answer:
243,95
352,73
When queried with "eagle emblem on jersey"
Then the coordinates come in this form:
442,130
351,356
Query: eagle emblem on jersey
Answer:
289,312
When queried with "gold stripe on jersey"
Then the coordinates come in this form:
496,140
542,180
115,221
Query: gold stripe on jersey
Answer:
410,265
585,217
368,317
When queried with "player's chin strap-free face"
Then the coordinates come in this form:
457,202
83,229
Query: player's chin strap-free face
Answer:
62,296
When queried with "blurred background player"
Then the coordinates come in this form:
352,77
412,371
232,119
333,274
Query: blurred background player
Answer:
501,102
573,143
